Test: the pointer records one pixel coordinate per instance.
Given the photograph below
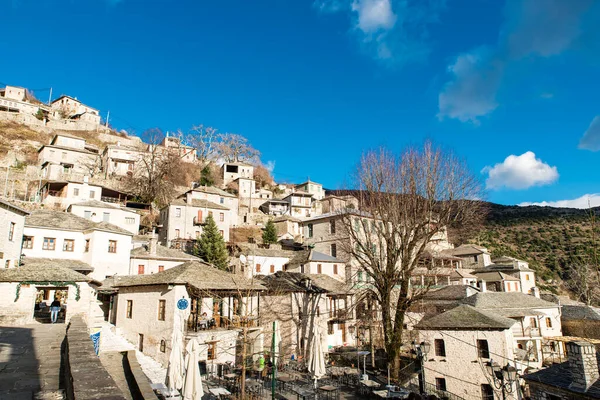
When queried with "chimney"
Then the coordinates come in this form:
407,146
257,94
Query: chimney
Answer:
153,244
583,365
535,291
483,286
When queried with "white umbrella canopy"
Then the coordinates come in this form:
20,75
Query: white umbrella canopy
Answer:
316,358
192,388
175,369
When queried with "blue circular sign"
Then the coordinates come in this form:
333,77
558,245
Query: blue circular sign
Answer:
182,304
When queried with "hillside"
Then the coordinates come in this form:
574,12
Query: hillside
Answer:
551,239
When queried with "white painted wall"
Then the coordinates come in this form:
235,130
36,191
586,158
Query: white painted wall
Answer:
10,248
123,218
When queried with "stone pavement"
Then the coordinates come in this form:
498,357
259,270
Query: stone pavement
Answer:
30,361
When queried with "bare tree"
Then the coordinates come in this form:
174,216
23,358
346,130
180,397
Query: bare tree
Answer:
235,148
204,140
405,201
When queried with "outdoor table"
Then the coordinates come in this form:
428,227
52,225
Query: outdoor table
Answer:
302,393
329,390
170,394
284,380
219,391
370,384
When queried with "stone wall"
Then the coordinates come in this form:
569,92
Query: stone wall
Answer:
85,377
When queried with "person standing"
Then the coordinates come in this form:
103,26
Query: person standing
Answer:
54,309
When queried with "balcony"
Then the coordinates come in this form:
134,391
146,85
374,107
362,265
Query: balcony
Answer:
198,222
340,314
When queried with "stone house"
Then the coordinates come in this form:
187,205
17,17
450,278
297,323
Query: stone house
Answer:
103,247
67,107
301,204
513,267
153,258
23,288
147,309
288,228
98,211
232,171
497,281
463,341
299,302
275,207
331,203
183,219
61,194
12,222
120,160
537,333
473,256
15,99
68,155
314,188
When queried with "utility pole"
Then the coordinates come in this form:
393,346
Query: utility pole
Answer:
6,181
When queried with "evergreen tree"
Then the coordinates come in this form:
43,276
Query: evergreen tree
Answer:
210,246
270,233
206,178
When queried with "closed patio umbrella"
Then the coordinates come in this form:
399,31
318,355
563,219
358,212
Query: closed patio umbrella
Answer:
192,387
316,358
175,369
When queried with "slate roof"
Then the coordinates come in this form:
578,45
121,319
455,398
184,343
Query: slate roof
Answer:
465,317
162,252
504,267
495,276
451,292
212,190
99,204
75,265
286,218
283,281
198,203
197,274
50,273
579,313
262,252
14,208
466,250
458,274
70,222
560,376
322,257
504,300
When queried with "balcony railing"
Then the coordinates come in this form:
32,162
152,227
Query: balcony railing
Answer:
340,314
198,221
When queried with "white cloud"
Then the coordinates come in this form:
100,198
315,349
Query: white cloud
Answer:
591,137
472,92
393,32
584,201
374,15
520,172
270,166
530,28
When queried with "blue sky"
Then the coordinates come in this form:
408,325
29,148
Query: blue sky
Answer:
510,86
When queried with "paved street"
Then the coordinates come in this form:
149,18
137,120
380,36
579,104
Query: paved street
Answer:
30,361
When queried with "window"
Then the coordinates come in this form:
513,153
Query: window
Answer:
129,220
199,219
487,393
310,230
212,350
112,246
516,286
475,258
7,264
163,346
330,328
319,269
141,269
178,212
87,245
333,250
332,226
64,155
482,348
440,348
533,322
177,233
106,217
28,242
87,214
335,270
76,192
526,277
440,384
548,322
49,244
222,232
272,269
92,194
162,306
68,244
222,200
258,268
221,217
161,268
11,231
129,309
